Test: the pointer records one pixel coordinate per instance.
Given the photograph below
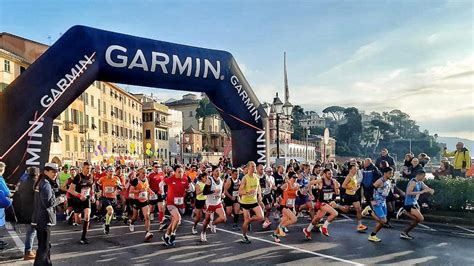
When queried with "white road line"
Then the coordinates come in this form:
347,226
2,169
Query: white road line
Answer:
18,243
427,227
287,246
347,217
464,228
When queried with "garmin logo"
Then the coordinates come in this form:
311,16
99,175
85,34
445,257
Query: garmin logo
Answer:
34,144
261,147
67,80
120,57
245,98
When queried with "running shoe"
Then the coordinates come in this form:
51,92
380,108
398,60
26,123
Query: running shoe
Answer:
84,241
235,227
367,210
148,236
166,240
285,229
213,228
245,240
361,228
387,225
276,216
307,234
324,231
106,229
203,238
406,236
400,212
374,238
131,226
275,238
74,224
194,231
280,232
69,215
266,224
172,239
162,226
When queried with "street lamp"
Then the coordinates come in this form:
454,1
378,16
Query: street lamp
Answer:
280,109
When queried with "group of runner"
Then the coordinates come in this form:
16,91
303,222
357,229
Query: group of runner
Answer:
217,194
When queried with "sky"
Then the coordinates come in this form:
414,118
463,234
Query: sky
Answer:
416,56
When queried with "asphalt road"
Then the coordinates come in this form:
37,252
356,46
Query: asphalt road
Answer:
434,245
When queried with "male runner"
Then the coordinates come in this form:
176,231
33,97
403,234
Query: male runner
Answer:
213,191
140,188
231,200
155,178
108,185
200,202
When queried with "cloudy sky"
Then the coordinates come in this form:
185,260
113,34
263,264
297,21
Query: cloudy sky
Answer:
417,56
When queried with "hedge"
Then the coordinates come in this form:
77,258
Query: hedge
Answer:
451,194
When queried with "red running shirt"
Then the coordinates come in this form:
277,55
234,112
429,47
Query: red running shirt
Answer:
176,191
154,179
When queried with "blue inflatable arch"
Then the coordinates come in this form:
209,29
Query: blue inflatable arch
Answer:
82,55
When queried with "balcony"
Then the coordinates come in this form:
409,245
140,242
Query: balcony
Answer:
83,129
68,125
159,123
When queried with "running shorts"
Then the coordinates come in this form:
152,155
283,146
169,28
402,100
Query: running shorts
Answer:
380,211
248,206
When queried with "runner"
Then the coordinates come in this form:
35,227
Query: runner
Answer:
213,191
350,196
108,185
250,199
155,178
279,177
72,218
231,200
139,190
177,186
379,205
200,203
415,188
83,190
287,206
267,183
303,201
328,187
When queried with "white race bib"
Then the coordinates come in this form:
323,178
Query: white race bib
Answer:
131,195
109,189
154,197
143,195
178,200
328,196
235,193
216,197
290,203
85,192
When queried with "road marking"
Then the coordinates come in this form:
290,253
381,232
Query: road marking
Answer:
286,246
18,243
347,217
427,227
464,228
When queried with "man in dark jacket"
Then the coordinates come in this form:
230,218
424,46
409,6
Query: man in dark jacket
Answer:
44,213
384,156
23,202
370,174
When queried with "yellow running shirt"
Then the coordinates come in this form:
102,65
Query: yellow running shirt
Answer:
251,183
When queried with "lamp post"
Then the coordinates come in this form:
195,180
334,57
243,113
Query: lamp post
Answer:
307,133
280,109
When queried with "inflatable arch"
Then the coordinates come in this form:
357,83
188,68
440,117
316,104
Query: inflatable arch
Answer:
82,55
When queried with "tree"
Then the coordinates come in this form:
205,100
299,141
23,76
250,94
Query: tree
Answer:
205,109
337,112
349,133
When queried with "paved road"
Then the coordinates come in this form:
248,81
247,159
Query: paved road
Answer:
434,245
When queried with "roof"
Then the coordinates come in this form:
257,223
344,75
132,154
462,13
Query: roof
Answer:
183,102
192,130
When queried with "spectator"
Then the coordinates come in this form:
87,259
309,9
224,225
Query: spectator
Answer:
4,192
384,156
470,173
382,165
370,174
462,159
407,165
23,203
424,159
443,170
415,168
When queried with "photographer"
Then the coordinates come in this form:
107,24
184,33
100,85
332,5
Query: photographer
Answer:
462,159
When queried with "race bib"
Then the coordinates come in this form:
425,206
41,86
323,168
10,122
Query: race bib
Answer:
290,203
235,193
328,196
216,197
109,189
131,195
85,192
178,200
154,197
143,195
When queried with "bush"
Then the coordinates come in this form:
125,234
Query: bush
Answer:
451,194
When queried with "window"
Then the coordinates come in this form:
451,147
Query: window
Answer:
92,100
68,146
120,114
6,66
75,116
56,137
105,127
125,116
100,128
93,126
147,134
147,117
166,153
98,105
105,108
22,69
3,86
86,98
116,112
76,144
66,114
87,121
190,113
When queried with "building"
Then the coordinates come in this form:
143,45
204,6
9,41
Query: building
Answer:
187,106
155,128
312,119
102,126
175,132
192,145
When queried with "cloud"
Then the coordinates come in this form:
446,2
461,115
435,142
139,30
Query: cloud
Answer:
433,38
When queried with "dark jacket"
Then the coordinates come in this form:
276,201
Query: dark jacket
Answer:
44,213
415,170
23,200
388,159
370,175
